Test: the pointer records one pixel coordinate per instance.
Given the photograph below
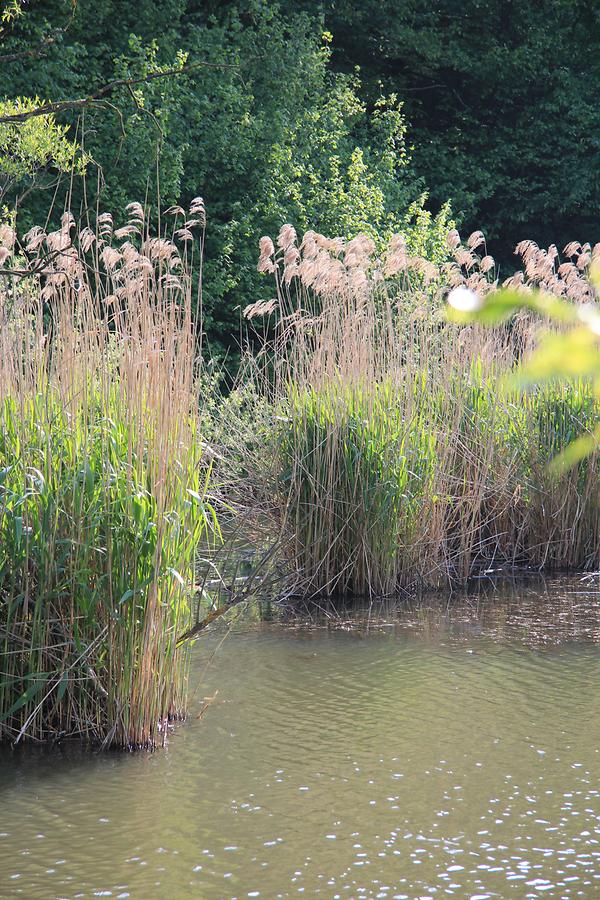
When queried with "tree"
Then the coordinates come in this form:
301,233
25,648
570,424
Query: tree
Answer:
36,146
248,114
33,149
502,100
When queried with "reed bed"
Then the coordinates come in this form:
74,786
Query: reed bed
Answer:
103,484
403,455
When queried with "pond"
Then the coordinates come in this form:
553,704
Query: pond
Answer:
446,748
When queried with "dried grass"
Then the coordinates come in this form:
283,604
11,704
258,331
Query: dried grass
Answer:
102,480
402,456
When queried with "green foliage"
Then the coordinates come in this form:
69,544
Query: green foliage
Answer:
323,178
301,117
567,351
502,102
12,9
354,472
85,555
34,146
265,132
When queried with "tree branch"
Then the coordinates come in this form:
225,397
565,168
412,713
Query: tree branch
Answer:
98,96
211,617
34,52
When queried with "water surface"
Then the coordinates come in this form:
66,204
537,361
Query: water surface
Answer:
446,749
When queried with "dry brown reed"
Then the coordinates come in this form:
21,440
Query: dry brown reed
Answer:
102,480
402,456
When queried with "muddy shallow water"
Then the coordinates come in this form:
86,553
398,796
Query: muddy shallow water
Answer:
449,748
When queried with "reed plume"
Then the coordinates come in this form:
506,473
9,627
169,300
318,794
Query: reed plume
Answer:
103,484
402,455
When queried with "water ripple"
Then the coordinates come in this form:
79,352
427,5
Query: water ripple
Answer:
437,752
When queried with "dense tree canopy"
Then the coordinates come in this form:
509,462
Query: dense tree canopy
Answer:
335,115
502,104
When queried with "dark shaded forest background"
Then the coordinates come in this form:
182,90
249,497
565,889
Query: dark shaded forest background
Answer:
341,116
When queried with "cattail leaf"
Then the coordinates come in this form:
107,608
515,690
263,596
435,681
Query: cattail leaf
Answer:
26,696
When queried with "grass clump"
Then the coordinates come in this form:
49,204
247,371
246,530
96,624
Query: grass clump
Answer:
103,485
354,472
404,455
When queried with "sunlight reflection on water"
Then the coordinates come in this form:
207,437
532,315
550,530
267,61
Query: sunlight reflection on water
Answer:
446,749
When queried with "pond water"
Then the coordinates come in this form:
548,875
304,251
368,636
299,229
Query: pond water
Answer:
443,749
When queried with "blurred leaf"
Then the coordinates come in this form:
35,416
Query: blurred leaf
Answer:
575,353
576,451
